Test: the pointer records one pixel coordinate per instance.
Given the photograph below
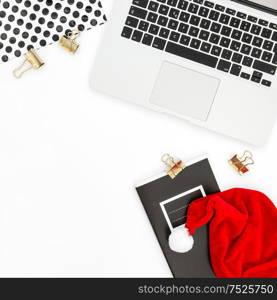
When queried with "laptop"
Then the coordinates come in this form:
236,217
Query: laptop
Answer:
212,63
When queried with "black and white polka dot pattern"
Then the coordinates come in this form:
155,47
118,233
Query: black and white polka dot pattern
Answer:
30,24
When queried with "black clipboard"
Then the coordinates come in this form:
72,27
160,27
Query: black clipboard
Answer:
165,201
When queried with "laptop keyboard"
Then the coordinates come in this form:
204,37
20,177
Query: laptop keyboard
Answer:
207,33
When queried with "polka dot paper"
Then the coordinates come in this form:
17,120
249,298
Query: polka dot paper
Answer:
28,24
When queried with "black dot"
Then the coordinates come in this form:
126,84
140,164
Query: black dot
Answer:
42,43
17,53
5,58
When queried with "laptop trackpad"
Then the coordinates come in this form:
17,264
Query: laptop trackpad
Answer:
184,91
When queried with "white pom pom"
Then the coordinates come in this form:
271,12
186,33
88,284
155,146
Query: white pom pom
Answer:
180,240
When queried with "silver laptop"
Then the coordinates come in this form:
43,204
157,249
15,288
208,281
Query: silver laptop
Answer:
212,63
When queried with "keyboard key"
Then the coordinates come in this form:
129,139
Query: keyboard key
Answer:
214,38
224,19
127,32
163,10
226,31
236,34
216,51
256,79
193,31
230,11
256,53
245,49
164,33
183,4
137,36
141,3
174,13
193,8
227,54
194,20
247,38
215,27
225,42
273,26
245,26
153,6
185,40
138,12
263,22
235,22
268,45
204,35
173,24
220,7
235,45
183,28
237,58
224,65
159,43
247,61
132,22
274,36
241,15
206,47
255,29
235,70
252,19
214,15
143,26
190,54
195,43
205,24
267,56
258,74
162,20
152,17
245,76
209,4
266,83
184,17
266,33
172,2
257,41
154,29
203,12
174,36
264,67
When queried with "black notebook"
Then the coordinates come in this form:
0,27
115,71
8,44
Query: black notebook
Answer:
166,201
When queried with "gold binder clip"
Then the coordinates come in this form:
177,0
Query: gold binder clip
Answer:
68,41
33,59
174,167
241,164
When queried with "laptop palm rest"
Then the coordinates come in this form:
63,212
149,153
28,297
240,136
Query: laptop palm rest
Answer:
184,91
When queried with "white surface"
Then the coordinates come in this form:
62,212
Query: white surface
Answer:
69,159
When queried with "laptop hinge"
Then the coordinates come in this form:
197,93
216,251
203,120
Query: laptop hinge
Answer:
257,6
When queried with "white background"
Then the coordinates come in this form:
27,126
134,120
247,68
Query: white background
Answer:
69,160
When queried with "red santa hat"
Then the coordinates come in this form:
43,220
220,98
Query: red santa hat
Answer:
242,233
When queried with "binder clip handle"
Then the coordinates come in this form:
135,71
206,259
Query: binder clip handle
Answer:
241,163
174,167
247,158
73,34
33,59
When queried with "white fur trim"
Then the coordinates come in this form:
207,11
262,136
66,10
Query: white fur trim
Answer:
180,240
